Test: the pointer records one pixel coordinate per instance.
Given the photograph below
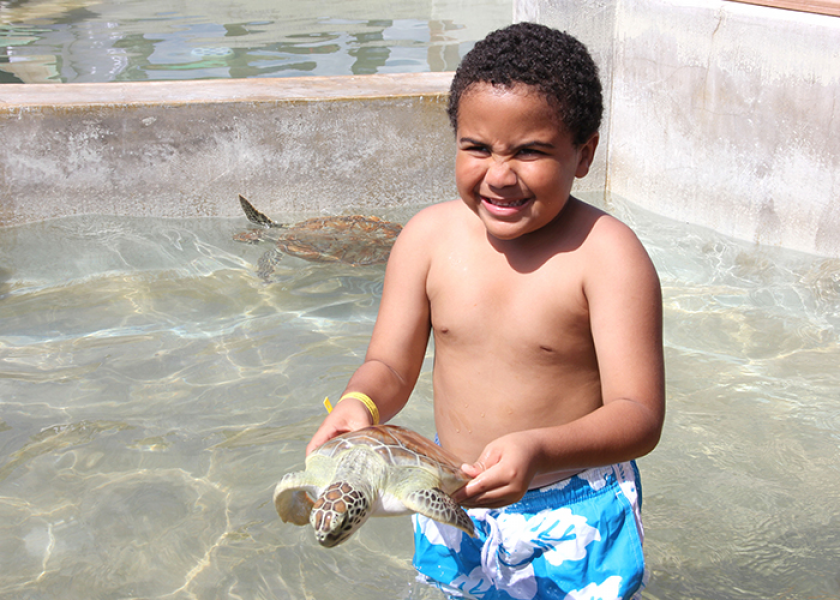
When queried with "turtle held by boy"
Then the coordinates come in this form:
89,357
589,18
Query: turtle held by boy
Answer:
349,239
377,471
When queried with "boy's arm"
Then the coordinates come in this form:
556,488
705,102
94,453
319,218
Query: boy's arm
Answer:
625,309
398,344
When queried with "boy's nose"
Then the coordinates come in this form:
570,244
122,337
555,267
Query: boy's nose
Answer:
499,174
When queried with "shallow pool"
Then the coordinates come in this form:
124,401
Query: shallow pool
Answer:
75,41
153,389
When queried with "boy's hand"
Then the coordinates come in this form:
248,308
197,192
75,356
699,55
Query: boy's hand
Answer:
348,415
502,474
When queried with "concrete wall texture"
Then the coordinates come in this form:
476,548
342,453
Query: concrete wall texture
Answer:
720,114
177,149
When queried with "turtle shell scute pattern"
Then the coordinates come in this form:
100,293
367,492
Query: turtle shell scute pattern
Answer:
349,239
399,447
353,239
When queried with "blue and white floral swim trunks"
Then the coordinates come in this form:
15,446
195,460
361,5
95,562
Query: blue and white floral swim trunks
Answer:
577,539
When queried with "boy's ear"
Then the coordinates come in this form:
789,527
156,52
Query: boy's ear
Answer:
586,153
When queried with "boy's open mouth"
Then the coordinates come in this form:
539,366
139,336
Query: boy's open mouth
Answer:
505,203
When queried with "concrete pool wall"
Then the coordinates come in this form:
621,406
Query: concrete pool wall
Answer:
720,114
187,148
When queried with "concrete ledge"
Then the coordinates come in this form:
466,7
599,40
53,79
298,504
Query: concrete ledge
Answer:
173,93
178,149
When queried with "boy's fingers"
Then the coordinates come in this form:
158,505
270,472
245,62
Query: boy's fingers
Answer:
487,499
471,488
483,484
324,435
473,470
316,441
345,417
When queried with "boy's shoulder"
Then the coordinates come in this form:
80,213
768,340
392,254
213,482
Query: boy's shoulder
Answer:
438,219
424,232
603,231
586,231
612,251
435,213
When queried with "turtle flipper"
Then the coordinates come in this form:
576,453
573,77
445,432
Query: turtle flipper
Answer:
292,498
254,215
436,504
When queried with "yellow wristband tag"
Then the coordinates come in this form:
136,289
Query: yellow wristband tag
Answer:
369,404
363,398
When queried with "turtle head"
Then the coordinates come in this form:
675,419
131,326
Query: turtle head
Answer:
339,511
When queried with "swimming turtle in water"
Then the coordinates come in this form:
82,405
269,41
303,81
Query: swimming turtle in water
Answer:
349,239
377,471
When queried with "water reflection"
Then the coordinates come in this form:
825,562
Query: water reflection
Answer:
76,41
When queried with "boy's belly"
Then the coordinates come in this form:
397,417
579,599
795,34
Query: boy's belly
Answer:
485,398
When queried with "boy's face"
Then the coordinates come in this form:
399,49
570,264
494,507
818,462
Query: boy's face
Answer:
515,162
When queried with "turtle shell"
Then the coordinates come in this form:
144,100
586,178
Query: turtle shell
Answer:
351,239
400,447
376,471
348,239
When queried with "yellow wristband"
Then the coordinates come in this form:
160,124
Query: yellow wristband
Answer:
364,399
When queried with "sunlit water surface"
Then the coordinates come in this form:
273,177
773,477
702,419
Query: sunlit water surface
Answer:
86,41
153,390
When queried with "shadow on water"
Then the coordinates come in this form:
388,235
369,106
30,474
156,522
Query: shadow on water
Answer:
55,439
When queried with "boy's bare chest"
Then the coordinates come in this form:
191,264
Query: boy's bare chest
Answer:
481,300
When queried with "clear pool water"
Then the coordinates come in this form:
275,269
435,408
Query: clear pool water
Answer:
153,390
43,41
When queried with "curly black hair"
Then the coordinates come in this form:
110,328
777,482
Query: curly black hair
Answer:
553,62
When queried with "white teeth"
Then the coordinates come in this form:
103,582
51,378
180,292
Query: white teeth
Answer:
506,204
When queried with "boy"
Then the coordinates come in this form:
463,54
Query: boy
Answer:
546,314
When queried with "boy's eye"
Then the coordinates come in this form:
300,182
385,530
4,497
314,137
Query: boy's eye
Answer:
476,149
530,152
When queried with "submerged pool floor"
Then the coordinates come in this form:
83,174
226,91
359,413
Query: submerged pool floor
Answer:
153,389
